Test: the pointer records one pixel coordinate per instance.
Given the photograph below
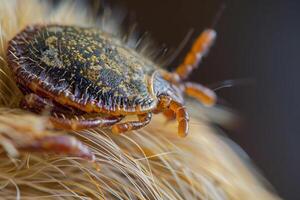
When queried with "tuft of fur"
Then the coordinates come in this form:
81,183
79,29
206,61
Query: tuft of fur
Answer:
152,163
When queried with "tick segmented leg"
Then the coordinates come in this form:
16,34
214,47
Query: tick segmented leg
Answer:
143,120
38,104
198,50
167,105
200,92
182,118
59,144
77,124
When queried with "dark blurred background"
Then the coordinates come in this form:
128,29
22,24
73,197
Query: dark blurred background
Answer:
257,40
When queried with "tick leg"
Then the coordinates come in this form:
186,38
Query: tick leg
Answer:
194,56
182,118
81,123
167,104
201,93
143,120
59,144
163,107
169,114
61,116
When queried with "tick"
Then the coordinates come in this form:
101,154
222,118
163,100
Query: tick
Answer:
88,78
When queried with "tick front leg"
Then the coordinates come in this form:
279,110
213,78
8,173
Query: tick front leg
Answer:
143,120
182,118
167,104
200,47
200,92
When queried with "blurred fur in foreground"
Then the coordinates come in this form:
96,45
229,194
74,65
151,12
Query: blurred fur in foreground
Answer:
152,163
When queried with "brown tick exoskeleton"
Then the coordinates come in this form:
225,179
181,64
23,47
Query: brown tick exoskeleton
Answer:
88,78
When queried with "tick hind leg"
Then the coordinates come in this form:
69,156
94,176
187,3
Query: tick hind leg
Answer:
143,120
59,118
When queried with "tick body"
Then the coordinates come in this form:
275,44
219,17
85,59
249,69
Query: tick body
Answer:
88,78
